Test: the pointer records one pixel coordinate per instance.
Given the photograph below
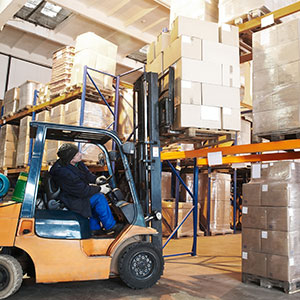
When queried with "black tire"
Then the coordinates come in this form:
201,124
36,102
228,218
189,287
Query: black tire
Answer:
140,265
11,276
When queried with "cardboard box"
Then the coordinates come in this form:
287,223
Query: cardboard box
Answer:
157,66
229,35
27,93
252,194
151,53
220,96
187,92
283,218
251,239
196,28
220,53
285,268
198,71
284,170
11,95
166,185
184,46
244,136
231,118
231,75
162,42
281,193
188,115
254,263
220,189
280,242
254,217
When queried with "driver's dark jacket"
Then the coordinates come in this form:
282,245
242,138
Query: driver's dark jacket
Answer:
74,184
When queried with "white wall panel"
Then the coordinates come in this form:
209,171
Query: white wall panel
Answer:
21,71
3,71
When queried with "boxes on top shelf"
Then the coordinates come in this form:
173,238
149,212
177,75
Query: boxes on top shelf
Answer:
11,101
27,93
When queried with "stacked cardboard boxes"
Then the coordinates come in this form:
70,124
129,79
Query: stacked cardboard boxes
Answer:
276,78
23,142
96,53
220,207
166,185
44,116
62,64
232,9
27,93
57,115
207,73
95,115
199,9
44,94
8,145
271,223
11,101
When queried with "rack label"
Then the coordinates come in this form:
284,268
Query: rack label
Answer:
215,158
245,255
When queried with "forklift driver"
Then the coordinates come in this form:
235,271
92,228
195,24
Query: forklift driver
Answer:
74,179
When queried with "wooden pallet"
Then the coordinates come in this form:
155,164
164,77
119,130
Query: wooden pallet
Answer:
286,286
193,135
221,232
281,135
26,107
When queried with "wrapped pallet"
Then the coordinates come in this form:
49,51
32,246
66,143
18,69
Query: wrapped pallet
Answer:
276,79
96,53
11,101
23,142
220,206
95,115
166,185
62,64
271,214
8,146
27,93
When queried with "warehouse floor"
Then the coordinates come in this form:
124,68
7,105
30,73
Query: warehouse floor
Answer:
213,274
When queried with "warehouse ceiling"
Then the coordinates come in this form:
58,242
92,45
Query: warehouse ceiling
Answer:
130,24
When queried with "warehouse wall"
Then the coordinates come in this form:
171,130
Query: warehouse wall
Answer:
3,71
21,71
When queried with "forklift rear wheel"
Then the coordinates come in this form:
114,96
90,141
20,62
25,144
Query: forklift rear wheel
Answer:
140,265
11,276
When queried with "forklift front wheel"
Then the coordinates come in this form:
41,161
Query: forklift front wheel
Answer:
140,265
11,276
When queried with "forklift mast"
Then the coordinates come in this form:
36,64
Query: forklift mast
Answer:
147,163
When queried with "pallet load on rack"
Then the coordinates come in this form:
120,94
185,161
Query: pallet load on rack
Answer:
166,185
44,94
27,94
271,222
207,74
57,115
8,146
97,53
62,64
220,206
125,117
276,80
95,115
230,10
11,102
199,9
44,116
23,142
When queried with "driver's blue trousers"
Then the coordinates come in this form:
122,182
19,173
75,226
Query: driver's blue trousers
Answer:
101,213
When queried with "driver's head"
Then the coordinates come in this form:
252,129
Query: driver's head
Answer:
68,152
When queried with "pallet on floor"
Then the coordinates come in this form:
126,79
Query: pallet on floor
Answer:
286,286
221,232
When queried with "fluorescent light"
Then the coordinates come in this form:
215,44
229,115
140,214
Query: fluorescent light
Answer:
51,10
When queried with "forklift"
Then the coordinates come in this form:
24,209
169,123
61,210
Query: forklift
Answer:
52,244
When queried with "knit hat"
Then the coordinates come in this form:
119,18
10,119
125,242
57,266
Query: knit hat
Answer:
66,152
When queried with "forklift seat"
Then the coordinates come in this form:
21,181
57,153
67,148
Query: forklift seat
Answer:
51,195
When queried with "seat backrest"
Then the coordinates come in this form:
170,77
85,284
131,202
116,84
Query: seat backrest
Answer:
51,189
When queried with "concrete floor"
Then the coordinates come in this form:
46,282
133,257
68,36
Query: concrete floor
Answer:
213,274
